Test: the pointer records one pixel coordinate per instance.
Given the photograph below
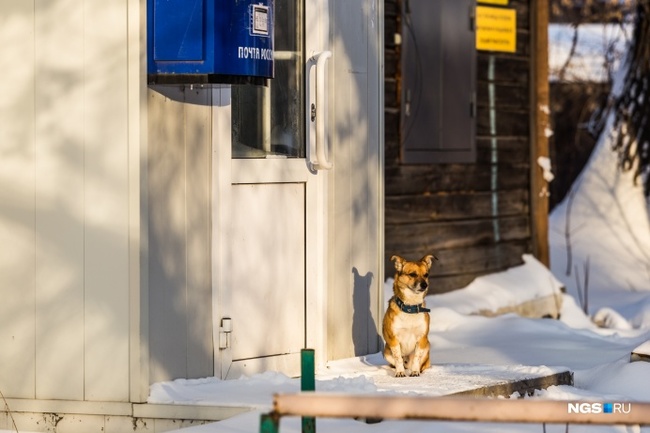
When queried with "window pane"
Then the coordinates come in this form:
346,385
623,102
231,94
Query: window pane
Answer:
268,121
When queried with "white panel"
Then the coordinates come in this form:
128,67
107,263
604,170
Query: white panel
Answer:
59,195
221,193
267,262
167,270
63,201
200,351
106,350
354,206
348,137
179,203
17,198
137,127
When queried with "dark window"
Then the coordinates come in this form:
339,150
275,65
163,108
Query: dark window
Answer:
439,76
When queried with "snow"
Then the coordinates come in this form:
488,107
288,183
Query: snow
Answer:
597,46
495,291
368,374
600,240
249,422
603,232
643,349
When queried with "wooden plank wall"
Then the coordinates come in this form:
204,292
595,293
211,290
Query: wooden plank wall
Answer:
474,217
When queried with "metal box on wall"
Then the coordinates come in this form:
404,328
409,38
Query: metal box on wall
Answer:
209,41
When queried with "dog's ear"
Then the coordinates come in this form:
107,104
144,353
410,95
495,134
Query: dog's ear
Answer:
399,262
428,260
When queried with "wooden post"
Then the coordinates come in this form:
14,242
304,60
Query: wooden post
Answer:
307,383
540,110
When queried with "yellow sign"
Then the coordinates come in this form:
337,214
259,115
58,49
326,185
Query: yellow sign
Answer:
495,2
496,29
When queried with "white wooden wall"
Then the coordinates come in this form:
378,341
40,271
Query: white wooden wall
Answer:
64,198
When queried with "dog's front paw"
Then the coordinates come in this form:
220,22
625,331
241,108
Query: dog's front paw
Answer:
415,373
400,374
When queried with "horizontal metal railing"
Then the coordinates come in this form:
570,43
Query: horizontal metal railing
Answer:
394,407
311,405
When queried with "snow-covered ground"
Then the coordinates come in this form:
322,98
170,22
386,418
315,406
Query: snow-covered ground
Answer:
603,232
608,224
505,346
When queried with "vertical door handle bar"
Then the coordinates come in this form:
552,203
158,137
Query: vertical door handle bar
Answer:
321,109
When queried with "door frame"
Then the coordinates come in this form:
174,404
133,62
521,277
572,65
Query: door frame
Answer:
227,171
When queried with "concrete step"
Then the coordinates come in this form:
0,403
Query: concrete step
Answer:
521,386
462,379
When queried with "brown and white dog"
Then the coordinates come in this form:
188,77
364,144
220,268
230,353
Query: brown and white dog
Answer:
406,322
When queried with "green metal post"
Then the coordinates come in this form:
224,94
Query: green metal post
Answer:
307,370
269,423
307,383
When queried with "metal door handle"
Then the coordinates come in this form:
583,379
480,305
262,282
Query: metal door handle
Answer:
318,112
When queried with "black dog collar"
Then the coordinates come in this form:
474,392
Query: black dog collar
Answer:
410,309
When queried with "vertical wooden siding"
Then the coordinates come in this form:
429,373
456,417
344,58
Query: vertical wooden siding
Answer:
64,325
474,217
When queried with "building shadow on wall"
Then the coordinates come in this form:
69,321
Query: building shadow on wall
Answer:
364,331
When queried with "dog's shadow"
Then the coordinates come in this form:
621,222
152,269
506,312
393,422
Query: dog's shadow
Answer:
364,331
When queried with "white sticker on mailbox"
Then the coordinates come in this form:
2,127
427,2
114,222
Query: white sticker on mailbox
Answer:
259,20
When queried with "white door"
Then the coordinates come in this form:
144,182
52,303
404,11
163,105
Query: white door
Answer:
270,196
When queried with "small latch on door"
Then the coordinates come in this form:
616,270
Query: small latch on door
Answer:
224,333
312,112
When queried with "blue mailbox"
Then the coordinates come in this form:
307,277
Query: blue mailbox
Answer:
209,41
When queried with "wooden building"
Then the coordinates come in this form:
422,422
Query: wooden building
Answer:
478,209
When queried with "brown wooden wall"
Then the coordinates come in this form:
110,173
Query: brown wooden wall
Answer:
447,209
